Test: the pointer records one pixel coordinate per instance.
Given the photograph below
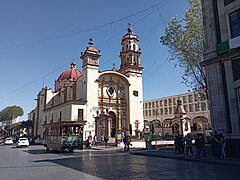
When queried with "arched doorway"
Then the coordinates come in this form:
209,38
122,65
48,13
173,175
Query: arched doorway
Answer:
113,124
200,124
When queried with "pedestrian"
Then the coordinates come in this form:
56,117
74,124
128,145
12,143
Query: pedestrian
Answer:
88,145
217,141
203,147
199,146
102,138
125,140
222,146
182,145
95,139
128,143
141,135
189,145
175,144
179,145
90,139
106,140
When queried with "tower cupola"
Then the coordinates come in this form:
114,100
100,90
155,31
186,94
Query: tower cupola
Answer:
91,55
130,53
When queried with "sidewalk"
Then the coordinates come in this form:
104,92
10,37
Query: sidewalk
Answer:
170,153
101,148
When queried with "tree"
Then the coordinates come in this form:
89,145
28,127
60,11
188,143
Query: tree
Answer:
10,112
185,40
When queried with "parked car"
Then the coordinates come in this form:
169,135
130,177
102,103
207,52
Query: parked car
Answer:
22,142
8,141
38,141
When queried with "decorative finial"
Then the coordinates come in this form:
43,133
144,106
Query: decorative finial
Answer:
73,64
90,42
129,28
114,66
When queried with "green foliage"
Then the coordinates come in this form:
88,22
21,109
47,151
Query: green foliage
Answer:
10,113
185,40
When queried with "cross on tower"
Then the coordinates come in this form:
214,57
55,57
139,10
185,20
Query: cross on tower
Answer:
114,65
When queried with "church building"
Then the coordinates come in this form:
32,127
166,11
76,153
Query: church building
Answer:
108,101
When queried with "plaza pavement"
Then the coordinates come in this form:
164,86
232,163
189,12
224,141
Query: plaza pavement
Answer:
170,153
167,152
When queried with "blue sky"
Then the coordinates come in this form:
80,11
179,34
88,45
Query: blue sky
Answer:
41,38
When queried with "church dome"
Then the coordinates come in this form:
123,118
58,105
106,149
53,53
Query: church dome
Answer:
71,74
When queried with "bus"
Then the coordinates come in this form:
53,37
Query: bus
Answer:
64,135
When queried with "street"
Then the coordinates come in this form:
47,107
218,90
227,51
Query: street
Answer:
35,163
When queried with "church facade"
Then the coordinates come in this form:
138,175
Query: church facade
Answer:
108,101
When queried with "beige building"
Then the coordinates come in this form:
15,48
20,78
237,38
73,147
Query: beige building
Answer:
162,110
221,19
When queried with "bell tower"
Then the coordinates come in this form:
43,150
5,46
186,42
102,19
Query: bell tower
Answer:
130,53
132,69
88,83
90,56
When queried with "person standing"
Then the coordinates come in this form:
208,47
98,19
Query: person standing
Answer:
199,146
189,145
222,146
125,140
217,140
182,145
95,139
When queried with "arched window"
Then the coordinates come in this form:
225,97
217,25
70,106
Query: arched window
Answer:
134,61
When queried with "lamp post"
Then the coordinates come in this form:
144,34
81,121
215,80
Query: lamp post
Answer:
162,124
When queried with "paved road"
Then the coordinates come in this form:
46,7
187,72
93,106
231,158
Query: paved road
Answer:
35,163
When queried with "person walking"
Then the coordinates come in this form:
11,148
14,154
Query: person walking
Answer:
128,143
125,143
222,146
189,145
106,140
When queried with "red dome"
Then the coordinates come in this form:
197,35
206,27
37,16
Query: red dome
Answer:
70,74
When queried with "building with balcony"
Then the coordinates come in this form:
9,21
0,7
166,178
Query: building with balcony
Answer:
221,20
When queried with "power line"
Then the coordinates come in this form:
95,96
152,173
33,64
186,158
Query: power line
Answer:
157,68
155,62
38,79
161,17
96,28
132,24
96,46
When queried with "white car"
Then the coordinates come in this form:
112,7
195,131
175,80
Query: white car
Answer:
8,141
22,142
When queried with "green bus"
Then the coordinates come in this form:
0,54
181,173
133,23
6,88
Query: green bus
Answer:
64,135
